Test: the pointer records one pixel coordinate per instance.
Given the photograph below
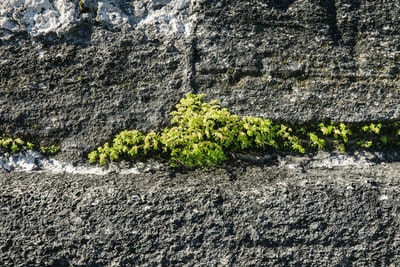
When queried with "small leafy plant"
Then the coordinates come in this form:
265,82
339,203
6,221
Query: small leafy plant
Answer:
49,150
201,134
127,144
206,134
11,145
340,133
15,145
316,141
375,134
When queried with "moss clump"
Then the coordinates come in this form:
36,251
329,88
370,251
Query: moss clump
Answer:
127,144
205,134
50,150
15,145
201,134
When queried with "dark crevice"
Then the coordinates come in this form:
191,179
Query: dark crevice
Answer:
334,31
192,58
281,5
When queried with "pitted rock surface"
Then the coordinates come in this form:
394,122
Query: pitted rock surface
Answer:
244,216
77,72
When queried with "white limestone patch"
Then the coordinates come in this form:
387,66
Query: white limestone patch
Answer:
110,14
324,160
40,17
34,161
37,17
356,160
22,161
171,18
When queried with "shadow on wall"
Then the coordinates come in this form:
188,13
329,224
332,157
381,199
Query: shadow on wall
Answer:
281,5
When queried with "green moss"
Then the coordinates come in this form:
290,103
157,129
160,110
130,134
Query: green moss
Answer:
201,134
12,145
49,150
205,134
15,145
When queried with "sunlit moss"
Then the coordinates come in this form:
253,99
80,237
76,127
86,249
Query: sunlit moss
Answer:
205,134
15,145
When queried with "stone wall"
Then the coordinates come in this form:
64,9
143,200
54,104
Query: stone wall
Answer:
241,216
77,73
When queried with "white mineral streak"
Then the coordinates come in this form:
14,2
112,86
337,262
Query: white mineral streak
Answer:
37,17
357,160
34,161
172,18
110,14
40,17
325,160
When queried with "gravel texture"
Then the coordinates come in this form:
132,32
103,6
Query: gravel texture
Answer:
236,216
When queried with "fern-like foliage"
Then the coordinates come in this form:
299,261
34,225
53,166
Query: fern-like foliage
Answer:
201,134
205,134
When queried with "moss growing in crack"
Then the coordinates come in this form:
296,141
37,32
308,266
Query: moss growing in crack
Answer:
126,145
205,134
316,141
82,7
12,145
201,134
49,150
340,133
370,131
15,145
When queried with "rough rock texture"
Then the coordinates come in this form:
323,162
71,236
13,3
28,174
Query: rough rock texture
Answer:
243,216
301,60
79,87
77,72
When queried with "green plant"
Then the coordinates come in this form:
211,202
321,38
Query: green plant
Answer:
201,134
373,136
49,150
372,128
82,7
316,141
340,133
15,145
205,134
126,143
29,145
288,140
259,133
12,145
365,143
